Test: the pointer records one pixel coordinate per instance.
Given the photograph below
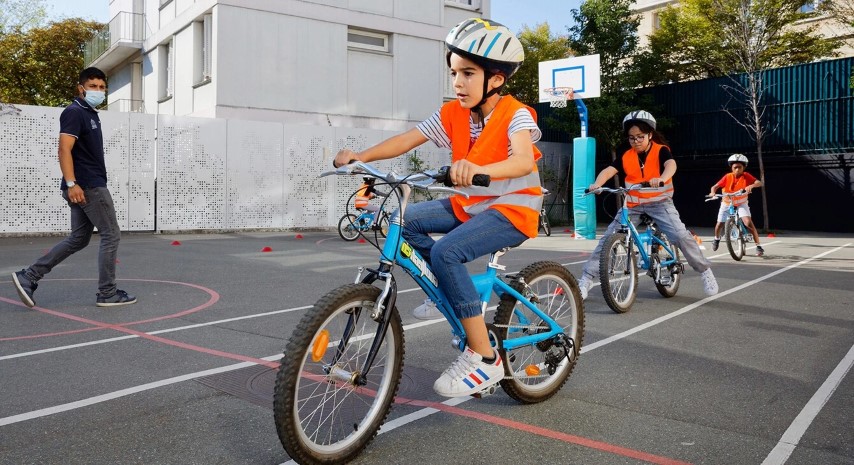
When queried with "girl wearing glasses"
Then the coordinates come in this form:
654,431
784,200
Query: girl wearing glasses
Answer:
648,161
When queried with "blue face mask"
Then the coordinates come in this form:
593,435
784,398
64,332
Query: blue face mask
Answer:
94,97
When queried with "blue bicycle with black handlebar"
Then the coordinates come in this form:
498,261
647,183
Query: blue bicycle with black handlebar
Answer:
342,365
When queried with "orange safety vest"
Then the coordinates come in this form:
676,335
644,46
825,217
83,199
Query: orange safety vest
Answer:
730,184
362,199
518,199
651,169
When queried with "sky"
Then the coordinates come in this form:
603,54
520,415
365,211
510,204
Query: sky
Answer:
512,13
517,13
96,10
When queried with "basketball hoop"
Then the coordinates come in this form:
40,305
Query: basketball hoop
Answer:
558,96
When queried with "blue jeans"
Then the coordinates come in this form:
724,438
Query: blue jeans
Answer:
98,211
667,218
481,235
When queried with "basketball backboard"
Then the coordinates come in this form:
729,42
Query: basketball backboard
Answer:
580,73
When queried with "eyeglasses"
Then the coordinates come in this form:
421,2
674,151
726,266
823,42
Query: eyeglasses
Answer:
639,138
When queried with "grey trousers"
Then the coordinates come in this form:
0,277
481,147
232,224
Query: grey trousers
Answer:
97,212
667,218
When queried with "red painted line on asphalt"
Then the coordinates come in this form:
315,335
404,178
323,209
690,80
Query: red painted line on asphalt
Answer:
540,431
214,298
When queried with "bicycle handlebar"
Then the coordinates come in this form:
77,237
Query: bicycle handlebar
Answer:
709,198
642,186
424,180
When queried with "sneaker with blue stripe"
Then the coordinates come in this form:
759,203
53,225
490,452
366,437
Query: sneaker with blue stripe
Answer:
468,375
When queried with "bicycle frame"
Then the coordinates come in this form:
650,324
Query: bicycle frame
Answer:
396,251
646,240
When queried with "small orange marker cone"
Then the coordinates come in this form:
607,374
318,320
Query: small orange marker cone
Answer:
361,240
567,230
772,235
298,236
267,249
176,242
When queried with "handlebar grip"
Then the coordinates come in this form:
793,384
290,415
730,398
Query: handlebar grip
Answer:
443,176
336,166
482,180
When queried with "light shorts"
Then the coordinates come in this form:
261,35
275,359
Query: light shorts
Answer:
723,213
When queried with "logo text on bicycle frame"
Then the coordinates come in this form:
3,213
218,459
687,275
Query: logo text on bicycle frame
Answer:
406,252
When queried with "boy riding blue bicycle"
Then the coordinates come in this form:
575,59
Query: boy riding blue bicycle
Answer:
482,55
648,160
735,181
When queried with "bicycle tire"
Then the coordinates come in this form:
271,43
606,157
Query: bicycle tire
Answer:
618,273
560,298
384,225
547,228
347,228
734,239
305,396
662,255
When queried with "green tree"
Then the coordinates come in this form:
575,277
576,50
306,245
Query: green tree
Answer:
21,15
40,65
540,45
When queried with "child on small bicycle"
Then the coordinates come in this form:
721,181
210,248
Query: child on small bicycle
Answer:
736,180
487,133
363,196
648,160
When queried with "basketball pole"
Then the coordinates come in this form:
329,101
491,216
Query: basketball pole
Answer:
583,174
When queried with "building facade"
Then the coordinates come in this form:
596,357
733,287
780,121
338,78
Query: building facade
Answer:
353,63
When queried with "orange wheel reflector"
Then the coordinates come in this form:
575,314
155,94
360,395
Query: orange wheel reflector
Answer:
559,291
321,343
532,370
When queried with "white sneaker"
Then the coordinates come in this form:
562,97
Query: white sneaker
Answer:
427,311
469,375
710,284
584,285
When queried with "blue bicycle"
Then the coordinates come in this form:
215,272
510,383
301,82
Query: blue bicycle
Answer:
628,250
342,365
737,234
351,226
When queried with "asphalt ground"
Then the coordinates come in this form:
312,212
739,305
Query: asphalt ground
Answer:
758,374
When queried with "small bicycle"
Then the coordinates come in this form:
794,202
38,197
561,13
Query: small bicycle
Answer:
627,250
544,218
351,226
737,234
342,365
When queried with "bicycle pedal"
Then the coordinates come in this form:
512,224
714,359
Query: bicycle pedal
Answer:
486,392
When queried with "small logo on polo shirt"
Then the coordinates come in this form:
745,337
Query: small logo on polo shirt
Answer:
94,124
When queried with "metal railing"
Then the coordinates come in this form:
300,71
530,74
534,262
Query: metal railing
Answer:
125,27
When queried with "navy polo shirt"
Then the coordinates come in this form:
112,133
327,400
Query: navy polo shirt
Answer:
82,122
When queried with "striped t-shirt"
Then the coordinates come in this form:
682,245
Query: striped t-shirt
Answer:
522,120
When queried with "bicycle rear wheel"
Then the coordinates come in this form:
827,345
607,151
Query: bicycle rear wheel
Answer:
384,225
348,227
618,273
321,414
544,220
734,239
535,372
669,276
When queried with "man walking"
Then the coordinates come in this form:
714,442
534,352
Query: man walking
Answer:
84,187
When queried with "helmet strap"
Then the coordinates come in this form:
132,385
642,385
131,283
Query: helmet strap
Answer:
487,75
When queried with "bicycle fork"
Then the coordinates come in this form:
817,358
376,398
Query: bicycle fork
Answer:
380,313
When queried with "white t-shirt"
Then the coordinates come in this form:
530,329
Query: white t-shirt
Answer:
522,120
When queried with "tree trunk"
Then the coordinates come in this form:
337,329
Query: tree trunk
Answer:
766,222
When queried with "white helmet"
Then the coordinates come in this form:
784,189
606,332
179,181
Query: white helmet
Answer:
638,115
487,43
737,158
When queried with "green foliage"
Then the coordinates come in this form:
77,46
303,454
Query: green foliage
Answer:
706,38
21,15
40,65
540,45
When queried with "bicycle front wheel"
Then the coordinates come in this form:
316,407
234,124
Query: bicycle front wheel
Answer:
322,414
669,276
618,273
547,228
347,227
734,239
537,371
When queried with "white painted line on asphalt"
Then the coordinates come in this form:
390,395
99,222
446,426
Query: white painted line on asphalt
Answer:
699,303
787,444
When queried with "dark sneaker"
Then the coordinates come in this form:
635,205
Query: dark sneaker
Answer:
119,298
25,287
759,251
715,244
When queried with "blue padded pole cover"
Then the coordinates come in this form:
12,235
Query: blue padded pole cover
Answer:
583,175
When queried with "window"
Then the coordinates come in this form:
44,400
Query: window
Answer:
656,21
473,4
166,68
164,2
202,42
367,40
